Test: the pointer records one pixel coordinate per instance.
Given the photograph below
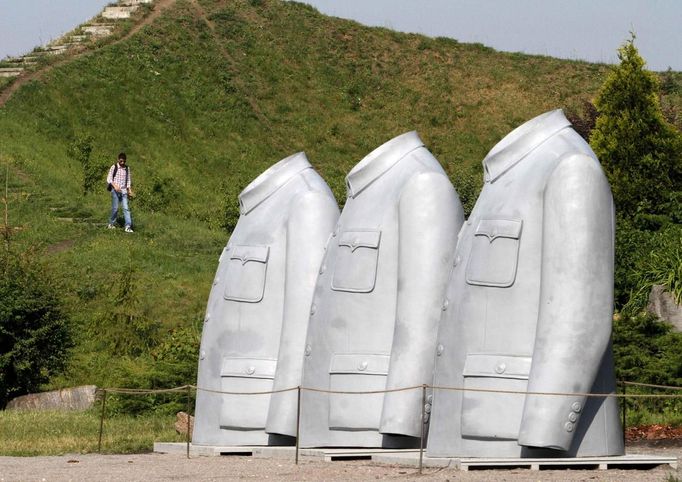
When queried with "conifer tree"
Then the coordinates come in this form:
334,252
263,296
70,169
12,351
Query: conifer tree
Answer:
641,153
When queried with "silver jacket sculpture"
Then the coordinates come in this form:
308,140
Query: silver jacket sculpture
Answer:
377,303
529,306
257,316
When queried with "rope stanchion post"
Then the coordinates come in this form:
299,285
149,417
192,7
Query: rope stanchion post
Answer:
625,407
189,403
423,426
101,420
298,421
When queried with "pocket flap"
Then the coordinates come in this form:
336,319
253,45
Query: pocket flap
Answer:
499,228
360,363
250,253
357,239
249,367
498,366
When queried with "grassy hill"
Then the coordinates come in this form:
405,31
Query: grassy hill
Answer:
203,100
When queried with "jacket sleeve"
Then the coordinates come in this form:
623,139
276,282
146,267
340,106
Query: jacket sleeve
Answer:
576,300
430,215
311,222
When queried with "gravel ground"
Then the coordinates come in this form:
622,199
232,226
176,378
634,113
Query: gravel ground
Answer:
177,467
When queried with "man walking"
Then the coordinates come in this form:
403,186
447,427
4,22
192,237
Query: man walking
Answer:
119,183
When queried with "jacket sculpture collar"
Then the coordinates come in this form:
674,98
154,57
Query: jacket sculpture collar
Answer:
271,180
379,161
521,142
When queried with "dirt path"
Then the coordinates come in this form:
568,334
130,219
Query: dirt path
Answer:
159,7
176,467
236,79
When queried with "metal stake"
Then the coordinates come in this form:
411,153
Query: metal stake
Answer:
421,438
625,407
298,420
101,420
189,397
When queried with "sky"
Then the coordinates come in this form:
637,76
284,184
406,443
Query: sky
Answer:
25,24
576,29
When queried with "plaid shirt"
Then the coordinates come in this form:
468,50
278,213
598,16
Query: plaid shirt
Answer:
120,178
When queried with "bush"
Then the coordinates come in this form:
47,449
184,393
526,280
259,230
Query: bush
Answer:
172,363
94,170
34,331
641,153
643,259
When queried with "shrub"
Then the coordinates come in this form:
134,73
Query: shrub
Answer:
641,153
94,170
34,331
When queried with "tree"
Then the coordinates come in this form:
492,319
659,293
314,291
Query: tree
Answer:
641,153
34,331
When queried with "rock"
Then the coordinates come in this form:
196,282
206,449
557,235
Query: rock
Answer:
114,13
663,304
181,423
76,398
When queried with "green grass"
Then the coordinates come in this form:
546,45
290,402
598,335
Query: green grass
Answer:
202,105
57,433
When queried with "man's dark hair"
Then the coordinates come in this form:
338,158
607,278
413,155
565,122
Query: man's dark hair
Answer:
123,156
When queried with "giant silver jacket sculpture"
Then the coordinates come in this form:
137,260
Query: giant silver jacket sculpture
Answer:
257,316
374,318
529,306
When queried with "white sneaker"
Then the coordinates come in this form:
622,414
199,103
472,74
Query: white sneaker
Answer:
111,226
129,229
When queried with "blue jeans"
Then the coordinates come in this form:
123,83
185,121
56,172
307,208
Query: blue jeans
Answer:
116,198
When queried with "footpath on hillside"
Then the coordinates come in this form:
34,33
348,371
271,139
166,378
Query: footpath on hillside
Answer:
157,8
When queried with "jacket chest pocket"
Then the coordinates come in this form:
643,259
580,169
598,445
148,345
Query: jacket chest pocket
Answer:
357,255
494,253
247,375
245,273
355,372
493,414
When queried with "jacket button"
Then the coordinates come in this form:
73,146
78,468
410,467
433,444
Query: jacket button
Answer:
429,399
568,426
427,408
216,281
250,370
445,304
439,350
313,309
572,417
308,350
202,355
362,366
500,368
322,269
576,407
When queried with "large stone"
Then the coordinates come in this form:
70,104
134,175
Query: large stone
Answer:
98,30
662,304
181,423
118,12
11,71
76,398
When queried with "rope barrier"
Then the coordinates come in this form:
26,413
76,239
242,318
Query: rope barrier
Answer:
183,388
208,390
187,389
649,385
